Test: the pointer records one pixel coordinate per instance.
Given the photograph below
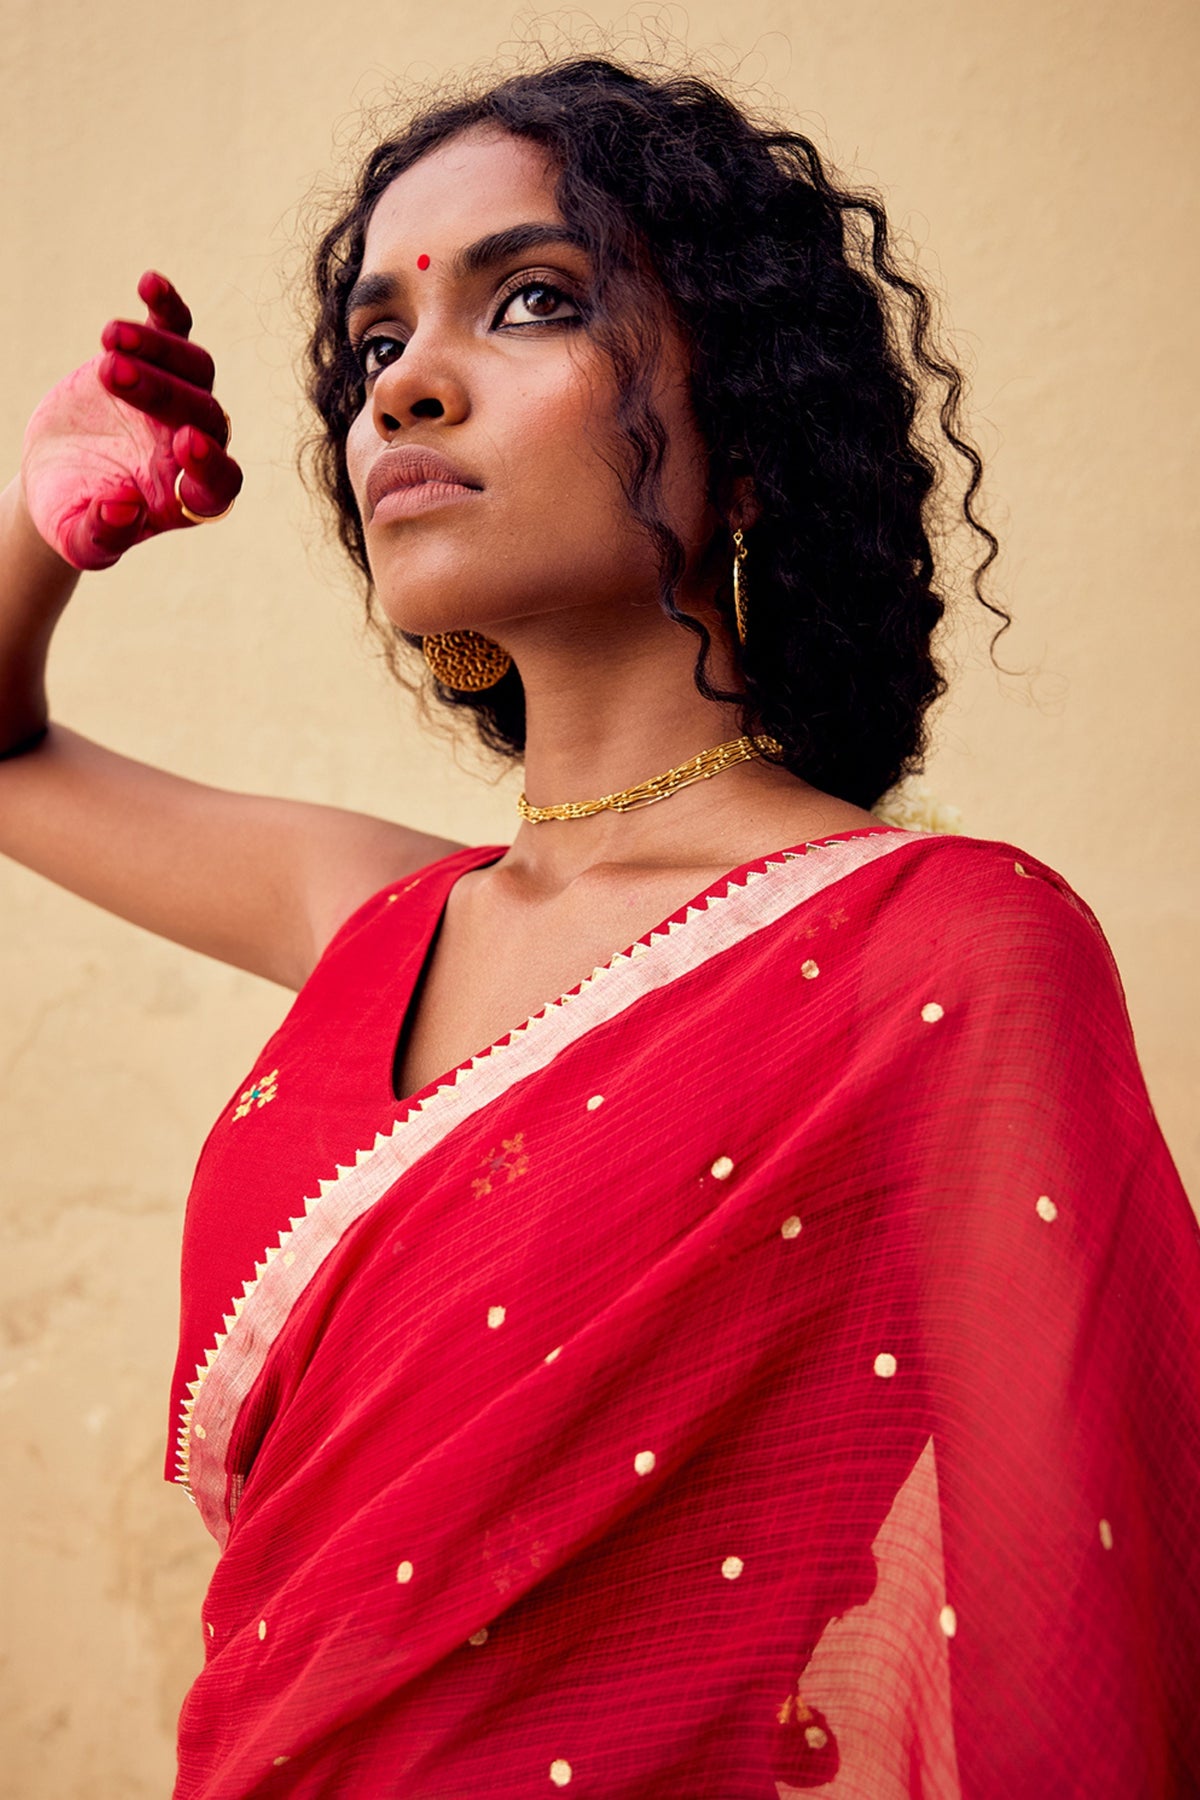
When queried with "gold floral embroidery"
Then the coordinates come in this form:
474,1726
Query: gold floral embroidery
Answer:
257,1094
507,1162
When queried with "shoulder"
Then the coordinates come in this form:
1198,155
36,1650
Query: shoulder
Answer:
924,905
984,884
988,917
401,907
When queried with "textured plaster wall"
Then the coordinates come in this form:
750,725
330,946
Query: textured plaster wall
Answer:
1042,156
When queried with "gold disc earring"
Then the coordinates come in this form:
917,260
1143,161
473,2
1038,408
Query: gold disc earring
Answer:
466,660
739,585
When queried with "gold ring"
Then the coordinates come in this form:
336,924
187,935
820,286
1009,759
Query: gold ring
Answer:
195,517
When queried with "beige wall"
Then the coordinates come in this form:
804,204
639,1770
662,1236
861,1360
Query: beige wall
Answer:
1041,152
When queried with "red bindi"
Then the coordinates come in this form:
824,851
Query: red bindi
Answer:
422,261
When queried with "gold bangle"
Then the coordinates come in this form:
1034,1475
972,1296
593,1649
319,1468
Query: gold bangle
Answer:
195,517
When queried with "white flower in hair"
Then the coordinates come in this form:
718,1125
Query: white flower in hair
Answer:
911,805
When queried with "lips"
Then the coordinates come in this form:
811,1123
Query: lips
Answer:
411,466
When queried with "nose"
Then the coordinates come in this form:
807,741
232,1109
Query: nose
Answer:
420,384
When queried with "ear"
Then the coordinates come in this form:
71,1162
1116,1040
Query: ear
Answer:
745,508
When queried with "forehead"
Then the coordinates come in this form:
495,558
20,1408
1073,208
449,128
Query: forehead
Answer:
473,184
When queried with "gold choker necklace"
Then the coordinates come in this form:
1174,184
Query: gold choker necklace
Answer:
645,793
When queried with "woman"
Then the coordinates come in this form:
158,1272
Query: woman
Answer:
739,1378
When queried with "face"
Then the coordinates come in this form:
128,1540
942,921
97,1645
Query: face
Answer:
469,324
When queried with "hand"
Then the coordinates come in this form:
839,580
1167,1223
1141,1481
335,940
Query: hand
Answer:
104,448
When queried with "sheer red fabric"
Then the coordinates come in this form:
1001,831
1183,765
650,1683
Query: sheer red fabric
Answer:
772,1370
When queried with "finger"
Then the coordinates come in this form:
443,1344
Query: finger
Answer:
164,397
211,480
161,348
105,529
167,309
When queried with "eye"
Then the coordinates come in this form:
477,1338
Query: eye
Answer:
375,352
542,303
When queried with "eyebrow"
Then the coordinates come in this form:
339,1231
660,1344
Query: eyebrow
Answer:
483,254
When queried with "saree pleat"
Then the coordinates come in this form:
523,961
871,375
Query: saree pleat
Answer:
775,1372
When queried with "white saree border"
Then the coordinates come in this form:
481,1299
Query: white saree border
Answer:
235,1359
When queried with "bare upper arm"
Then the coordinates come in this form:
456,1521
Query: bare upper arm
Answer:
261,883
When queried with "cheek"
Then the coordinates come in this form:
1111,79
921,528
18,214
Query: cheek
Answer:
559,436
360,442
572,429
577,440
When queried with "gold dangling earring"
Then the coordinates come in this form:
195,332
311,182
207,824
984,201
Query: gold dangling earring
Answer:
739,585
466,660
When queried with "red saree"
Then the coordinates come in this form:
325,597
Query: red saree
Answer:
772,1370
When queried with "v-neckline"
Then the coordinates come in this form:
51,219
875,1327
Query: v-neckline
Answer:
417,986
490,854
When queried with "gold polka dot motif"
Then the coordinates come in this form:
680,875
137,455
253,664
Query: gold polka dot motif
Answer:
479,1637
561,1772
885,1365
931,1012
790,1227
644,1462
732,1567
496,1316
948,1620
595,1101
262,1629
1046,1209
809,970
815,1738
1106,1536
722,1169
404,1573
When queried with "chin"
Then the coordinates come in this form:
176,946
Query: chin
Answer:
423,624
403,609
426,613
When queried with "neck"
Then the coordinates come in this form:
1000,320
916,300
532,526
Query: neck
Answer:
610,701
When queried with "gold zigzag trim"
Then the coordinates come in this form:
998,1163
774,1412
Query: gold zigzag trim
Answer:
461,1075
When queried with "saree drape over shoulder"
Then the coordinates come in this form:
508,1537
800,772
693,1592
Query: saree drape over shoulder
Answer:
773,1369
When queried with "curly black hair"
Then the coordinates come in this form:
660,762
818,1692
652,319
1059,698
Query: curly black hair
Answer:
812,355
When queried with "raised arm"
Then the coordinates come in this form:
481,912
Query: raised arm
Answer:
119,451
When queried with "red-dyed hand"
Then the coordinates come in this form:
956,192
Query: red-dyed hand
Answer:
104,448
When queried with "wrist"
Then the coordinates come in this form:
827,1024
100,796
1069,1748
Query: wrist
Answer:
22,538
35,581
